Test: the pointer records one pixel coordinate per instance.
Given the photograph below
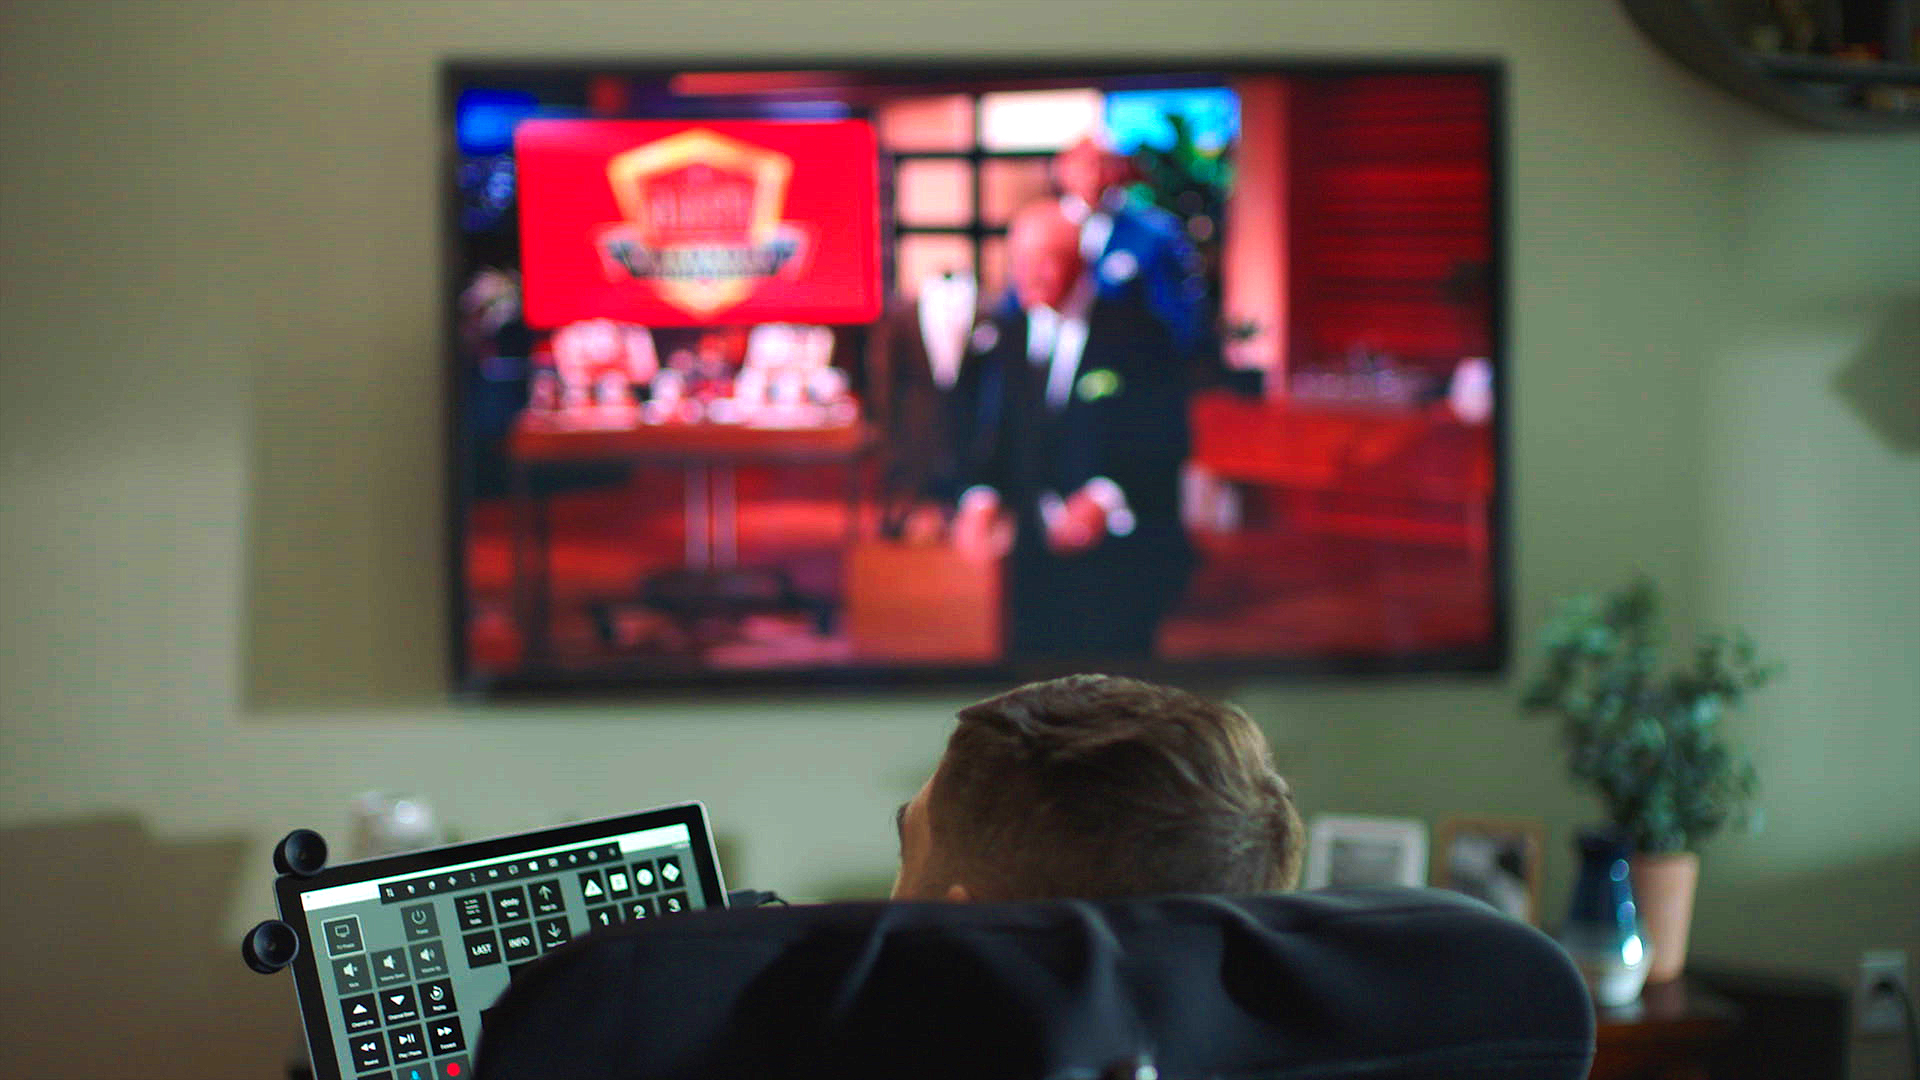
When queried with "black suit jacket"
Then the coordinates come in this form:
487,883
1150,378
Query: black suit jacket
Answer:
912,409
1125,419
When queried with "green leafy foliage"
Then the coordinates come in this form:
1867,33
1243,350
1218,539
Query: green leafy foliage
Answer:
1649,743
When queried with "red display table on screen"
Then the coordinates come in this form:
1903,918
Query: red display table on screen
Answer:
706,453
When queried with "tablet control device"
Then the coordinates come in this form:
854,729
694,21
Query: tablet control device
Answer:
399,958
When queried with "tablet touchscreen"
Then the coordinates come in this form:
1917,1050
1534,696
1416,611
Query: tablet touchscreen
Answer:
401,956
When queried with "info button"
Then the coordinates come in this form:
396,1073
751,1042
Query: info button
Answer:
518,943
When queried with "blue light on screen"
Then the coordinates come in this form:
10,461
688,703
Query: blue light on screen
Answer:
1137,118
484,119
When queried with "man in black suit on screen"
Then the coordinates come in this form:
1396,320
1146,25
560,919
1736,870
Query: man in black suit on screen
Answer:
1072,414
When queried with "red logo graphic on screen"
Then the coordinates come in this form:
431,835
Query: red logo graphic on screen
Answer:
702,219
680,223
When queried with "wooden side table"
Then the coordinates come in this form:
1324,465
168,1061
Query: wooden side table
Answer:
1671,1033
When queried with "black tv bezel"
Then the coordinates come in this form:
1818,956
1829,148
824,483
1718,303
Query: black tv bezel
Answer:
289,888
1489,659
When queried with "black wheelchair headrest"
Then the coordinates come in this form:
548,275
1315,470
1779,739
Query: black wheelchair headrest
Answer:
1350,984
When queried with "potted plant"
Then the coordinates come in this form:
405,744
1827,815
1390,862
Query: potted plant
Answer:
1650,743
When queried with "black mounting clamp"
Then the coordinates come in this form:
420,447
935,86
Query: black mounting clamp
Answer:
272,944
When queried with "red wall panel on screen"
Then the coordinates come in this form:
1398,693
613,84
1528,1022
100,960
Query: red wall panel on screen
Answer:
675,223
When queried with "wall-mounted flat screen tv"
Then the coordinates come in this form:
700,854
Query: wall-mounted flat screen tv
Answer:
881,372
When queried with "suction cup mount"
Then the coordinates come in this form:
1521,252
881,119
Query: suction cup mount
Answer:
301,852
272,945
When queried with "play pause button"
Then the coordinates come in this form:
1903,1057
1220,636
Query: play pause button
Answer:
408,1044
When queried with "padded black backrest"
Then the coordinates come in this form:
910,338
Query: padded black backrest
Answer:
1354,984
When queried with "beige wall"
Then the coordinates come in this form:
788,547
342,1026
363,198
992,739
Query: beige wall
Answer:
220,489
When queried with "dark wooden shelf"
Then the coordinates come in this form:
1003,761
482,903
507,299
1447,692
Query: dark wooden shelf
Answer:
1797,87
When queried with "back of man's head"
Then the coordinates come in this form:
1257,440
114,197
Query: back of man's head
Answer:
1092,786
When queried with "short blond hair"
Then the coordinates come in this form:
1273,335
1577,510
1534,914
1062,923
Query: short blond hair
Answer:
1092,785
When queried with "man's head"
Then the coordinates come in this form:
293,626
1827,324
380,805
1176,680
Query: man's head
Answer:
1043,255
1086,169
1093,786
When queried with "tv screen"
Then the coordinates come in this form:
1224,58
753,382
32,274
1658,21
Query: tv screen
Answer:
885,372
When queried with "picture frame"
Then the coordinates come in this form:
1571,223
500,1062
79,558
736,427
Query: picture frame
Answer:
1496,860
1348,851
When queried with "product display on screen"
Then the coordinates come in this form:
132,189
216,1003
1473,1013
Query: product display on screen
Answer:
937,372
400,957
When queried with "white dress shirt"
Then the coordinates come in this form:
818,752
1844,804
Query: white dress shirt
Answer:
1058,337
1096,224
947,304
